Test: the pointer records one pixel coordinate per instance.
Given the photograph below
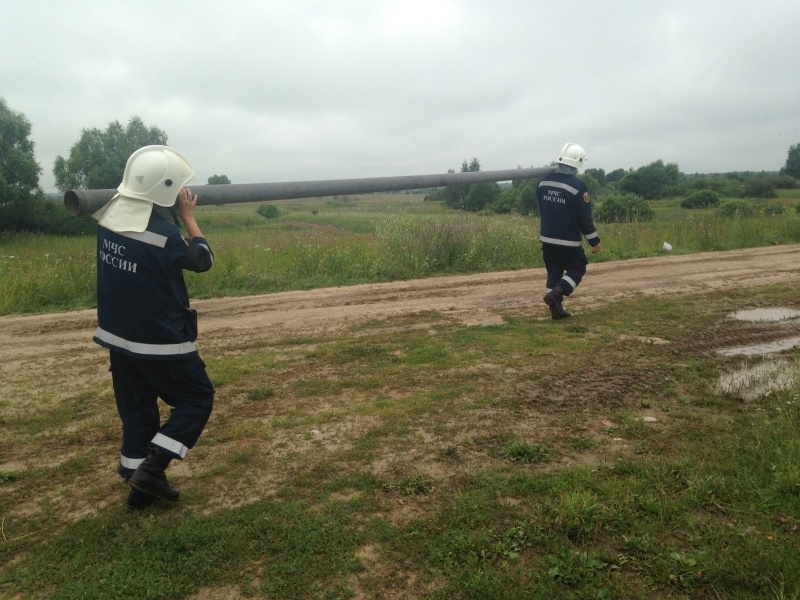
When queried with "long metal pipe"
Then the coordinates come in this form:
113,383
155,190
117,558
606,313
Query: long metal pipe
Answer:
86,202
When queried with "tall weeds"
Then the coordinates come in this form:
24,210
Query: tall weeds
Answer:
361,241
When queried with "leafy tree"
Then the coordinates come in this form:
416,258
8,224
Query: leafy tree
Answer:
592,185
218,180
19,171
473,166
624,208
615,176
529,204
97,160
792,166
481,195
23,205
652,182
455,195
598,175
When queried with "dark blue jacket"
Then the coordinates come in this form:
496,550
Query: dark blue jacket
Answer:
142,302
566,211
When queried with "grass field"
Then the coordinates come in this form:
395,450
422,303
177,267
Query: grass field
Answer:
343,241
420,457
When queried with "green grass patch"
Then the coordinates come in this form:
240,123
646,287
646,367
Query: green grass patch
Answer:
324,242
437,461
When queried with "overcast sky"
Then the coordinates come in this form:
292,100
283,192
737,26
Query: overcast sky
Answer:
300,90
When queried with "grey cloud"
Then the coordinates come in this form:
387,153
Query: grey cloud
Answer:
285,90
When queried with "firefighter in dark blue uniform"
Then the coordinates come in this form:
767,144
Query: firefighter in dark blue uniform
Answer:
566,219
145,321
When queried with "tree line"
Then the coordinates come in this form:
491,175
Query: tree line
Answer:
655,181
97,161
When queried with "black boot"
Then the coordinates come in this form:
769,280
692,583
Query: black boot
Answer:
150,478
138,500
553,300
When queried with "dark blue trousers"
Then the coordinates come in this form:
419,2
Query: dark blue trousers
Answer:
566,266
181,383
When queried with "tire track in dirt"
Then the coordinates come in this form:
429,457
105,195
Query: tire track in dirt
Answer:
742,335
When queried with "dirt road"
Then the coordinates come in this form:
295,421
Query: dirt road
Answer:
49,366
470,298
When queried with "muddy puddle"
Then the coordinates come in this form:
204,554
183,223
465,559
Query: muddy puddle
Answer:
765,314
753,381
776,315
761,349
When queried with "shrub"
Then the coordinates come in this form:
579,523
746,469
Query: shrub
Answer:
44,215
269,211
760,188
774,209
624,208
737,208
724,186
701,199
508,200
785,182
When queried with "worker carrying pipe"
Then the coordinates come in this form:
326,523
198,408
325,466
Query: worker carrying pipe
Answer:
87,202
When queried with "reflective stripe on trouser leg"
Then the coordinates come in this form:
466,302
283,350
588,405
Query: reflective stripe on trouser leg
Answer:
181,383
174,446
567,284
137,405
130,464
190,393
566,266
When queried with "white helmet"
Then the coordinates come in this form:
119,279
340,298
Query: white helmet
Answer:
572,155
155,174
